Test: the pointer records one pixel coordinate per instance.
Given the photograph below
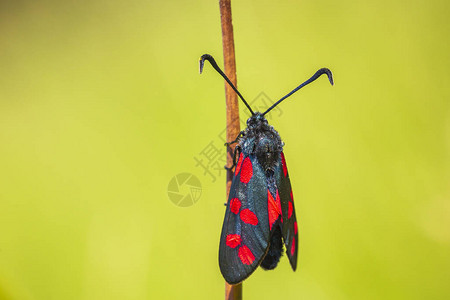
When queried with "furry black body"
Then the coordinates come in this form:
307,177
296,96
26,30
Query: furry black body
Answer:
262,141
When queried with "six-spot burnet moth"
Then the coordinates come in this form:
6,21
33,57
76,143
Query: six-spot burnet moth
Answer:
260,212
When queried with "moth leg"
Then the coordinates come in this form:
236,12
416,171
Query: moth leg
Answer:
234,158
235,141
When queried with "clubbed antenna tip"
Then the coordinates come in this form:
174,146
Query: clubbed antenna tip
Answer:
329,74
314,77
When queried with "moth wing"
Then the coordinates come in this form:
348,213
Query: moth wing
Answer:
245,231
289,224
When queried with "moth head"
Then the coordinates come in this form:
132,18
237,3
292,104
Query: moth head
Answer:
256,121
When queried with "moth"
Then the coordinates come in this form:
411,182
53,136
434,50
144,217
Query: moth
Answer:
260,214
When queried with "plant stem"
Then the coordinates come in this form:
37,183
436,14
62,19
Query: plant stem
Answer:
232,292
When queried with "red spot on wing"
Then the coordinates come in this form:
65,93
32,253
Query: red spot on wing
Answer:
238,166
246,255
290,209
233,240
235,205
273,207
292,197
295,227
247,170
283,162
247,216
293,247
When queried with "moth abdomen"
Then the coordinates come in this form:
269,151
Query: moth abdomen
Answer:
275,251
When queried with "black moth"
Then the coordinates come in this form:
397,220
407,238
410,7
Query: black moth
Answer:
260,212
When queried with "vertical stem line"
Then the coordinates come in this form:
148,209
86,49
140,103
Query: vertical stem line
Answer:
232,292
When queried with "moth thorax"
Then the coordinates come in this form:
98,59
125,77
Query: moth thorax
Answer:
267,153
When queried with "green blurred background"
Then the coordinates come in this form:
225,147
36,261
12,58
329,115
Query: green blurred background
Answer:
101,104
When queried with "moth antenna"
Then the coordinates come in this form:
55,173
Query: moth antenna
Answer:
314,77
216,67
